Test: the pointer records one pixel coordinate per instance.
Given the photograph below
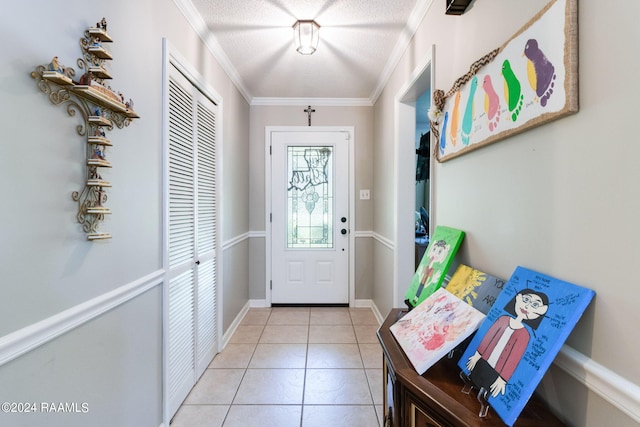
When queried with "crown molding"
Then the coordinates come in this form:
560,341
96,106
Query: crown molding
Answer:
416,17
200,27
322,102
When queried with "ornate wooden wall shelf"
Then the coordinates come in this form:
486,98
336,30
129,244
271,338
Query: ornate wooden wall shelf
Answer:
99,52
101,33
99,162
100,121
98,96
98,236
56,77
98,183
100,108
100,72
98,140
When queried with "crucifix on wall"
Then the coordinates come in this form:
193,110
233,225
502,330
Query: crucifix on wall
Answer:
309,111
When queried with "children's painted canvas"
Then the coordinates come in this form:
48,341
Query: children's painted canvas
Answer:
434,328
529,80
475,287
522,334
433,267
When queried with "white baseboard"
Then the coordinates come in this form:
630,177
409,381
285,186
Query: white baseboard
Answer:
368,303
377,313
234,326
258,303
359,303
363,303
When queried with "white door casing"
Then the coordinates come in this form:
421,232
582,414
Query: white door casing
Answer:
310,219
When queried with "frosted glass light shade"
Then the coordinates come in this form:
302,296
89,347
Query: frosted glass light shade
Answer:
306,35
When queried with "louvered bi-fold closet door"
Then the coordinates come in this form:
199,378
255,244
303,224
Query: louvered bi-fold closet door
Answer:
191,256
206,324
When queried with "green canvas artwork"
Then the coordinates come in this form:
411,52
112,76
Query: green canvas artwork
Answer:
433,267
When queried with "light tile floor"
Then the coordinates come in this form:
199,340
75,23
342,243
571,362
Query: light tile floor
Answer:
301,367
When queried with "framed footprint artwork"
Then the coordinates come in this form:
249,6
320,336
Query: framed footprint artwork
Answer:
530,80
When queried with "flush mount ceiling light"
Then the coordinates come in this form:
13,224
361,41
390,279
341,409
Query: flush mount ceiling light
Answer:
306,36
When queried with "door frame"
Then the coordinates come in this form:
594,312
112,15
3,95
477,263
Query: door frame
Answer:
422,78
268,202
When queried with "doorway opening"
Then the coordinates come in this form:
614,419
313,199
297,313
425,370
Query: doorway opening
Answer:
423,172
412,99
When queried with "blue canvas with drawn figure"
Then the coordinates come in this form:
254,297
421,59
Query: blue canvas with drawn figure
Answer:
520,338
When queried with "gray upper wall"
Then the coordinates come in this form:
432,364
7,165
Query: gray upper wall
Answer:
47,264
562,198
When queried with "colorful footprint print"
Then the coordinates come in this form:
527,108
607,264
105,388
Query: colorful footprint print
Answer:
467,120
512,90
443,134
455,117
491,103
540,71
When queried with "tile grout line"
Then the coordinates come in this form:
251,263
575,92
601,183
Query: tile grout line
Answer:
244,374
306,364
364,369
324,339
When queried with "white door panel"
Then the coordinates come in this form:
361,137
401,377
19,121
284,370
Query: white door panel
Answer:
310,212
191,238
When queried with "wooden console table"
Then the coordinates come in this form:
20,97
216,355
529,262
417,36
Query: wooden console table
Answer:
435,399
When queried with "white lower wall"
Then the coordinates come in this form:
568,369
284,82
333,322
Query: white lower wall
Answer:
101,360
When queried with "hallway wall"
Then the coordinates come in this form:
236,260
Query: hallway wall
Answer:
101,302
561,198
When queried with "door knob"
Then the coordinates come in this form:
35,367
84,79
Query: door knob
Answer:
343,219
343,231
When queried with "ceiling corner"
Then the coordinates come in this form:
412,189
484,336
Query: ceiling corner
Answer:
417,15
200,27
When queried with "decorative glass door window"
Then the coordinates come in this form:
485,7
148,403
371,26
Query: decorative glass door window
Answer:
310,197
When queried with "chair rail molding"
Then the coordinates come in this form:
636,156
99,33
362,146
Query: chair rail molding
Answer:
618,391
384,241
17,343
235,240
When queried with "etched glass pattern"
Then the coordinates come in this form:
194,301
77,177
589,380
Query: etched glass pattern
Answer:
310,197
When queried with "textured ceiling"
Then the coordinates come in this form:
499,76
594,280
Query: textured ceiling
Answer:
360,42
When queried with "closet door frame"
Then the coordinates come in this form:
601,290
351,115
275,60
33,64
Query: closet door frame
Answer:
172,59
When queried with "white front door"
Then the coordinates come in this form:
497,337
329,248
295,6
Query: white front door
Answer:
310,217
